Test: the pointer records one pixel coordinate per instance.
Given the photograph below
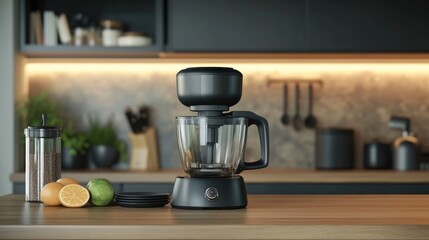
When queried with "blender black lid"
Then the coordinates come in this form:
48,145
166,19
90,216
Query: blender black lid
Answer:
210,71
209,89
42,131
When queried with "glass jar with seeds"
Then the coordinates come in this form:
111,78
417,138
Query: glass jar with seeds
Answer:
42,158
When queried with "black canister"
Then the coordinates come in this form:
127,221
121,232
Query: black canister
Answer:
334,148
377,155
406,153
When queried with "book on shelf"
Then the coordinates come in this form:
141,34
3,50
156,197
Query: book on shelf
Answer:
49,28
63,29
36,35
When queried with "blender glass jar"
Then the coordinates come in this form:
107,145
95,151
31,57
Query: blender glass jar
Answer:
42,159
211,146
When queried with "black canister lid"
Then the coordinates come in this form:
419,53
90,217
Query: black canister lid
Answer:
42,131
335,130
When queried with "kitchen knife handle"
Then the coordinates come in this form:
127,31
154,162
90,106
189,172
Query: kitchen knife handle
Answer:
144,117
263,129
131,120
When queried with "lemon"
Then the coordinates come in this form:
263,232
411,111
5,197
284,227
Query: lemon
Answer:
101,190
49,194
67,181
74,195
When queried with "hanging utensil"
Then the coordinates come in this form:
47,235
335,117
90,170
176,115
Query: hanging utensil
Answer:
285,116
297,122
310,121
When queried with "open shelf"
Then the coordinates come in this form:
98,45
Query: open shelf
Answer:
69,51
146,16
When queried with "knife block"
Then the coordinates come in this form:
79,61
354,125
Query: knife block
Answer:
144,150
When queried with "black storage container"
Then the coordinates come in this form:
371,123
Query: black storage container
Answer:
377,155
335,148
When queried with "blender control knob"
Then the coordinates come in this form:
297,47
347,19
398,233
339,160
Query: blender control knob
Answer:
211,193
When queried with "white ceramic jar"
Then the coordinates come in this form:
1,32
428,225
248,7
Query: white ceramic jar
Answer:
112,30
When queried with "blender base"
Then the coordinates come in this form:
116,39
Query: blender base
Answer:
209,193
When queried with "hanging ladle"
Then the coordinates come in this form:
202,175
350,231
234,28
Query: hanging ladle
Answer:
297,121
310,121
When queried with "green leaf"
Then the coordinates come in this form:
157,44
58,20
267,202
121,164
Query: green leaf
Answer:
33,108
105,134
76,142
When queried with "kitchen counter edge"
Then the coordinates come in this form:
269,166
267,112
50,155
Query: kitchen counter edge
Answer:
260,176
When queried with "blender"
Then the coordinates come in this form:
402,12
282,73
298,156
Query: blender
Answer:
212,144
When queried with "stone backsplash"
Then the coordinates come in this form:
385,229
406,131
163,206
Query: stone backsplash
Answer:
359,96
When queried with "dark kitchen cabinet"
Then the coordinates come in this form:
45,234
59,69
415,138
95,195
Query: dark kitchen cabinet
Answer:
246,26
367,26
332,26
235,26
283,188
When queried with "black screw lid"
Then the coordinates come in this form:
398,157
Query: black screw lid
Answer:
210,71
42,131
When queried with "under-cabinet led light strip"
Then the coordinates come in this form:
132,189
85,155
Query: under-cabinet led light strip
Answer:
265,68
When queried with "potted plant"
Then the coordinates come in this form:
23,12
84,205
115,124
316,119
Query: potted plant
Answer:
105,147
74,149
32,110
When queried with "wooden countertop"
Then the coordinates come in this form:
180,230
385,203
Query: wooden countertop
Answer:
266,217
256,176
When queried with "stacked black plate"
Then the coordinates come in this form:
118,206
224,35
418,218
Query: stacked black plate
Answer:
142,199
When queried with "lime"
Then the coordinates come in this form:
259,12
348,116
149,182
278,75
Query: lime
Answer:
101,191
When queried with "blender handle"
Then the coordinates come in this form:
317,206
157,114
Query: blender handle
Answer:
262,125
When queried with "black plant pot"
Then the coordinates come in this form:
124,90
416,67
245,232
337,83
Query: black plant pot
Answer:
103,156
78,161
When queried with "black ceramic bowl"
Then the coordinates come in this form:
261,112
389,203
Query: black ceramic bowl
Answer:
103,156
76,161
